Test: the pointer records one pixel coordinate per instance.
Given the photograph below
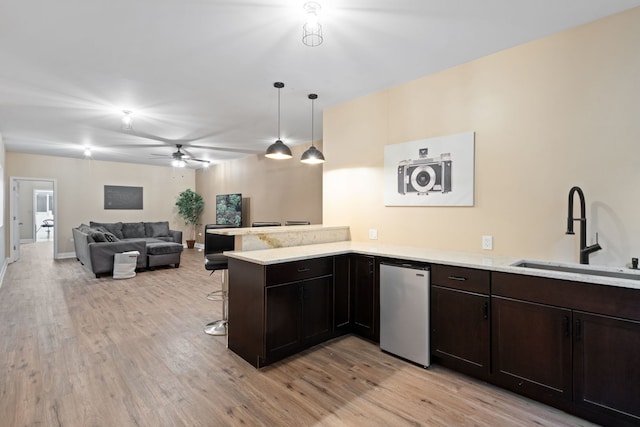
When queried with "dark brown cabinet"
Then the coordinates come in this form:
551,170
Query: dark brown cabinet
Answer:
341,295
460,324
572,345
607,366
365,309
280,309
298,315
532,348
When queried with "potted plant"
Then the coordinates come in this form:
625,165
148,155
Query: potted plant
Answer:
190,205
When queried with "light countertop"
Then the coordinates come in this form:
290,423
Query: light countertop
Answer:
249,231
459,259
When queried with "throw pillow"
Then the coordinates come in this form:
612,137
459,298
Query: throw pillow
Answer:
112,227
111,237
97,236
132,230
157,229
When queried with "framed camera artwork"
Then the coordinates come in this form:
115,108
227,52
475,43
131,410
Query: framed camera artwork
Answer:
430,172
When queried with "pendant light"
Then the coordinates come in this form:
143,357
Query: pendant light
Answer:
312,30
312,156
278,150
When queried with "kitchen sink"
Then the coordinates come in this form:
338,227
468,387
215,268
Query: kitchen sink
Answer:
615,273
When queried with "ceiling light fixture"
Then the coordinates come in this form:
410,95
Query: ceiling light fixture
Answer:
312,156
87,151
127,121
278,150
178,163
312,30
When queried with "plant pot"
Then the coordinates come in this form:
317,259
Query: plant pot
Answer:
191,244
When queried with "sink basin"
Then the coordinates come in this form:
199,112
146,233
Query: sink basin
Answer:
614,273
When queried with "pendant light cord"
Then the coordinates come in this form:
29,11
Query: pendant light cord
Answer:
278,113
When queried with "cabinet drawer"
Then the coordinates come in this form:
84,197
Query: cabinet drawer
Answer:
466,279
298,270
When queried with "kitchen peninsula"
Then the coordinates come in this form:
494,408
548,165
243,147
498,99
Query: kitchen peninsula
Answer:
566,339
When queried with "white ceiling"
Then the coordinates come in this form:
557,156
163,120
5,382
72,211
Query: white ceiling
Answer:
201,72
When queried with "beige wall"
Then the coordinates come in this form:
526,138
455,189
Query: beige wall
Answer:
80,190
272,190
557,112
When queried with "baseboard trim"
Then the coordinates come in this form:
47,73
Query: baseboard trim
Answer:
66,255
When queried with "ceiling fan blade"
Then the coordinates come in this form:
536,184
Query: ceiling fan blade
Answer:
231,150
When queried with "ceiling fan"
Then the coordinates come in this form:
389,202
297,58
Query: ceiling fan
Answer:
180,158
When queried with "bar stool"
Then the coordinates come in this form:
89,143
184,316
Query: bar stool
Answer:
214,246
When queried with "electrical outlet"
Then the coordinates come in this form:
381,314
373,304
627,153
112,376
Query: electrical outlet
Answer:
373,234
487,243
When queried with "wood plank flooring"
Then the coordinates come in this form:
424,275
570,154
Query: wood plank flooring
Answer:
81,351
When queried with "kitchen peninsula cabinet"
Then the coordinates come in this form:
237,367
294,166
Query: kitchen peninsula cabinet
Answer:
278,310
460,324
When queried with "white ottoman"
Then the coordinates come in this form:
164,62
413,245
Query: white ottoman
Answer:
124,264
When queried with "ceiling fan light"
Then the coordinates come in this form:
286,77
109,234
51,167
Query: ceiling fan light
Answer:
177,163
279,151
127,120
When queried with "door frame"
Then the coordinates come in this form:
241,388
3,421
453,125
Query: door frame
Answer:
14,215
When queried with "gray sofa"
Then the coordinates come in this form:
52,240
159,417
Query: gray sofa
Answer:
97,243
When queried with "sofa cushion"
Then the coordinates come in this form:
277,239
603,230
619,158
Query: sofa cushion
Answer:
132,230
97,235
157,229
113,227
161,248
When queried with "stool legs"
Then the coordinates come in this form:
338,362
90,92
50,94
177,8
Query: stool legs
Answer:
219,327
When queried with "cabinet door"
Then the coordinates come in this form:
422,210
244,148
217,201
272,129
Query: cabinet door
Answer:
532,349
341,295
316,309
606,365
460,330
363,296
283,313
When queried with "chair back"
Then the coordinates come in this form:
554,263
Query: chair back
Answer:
217,243
265,224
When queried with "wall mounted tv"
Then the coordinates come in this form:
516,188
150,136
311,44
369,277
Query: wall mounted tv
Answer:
229,209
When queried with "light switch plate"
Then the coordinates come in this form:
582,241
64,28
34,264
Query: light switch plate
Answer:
487,243
373,234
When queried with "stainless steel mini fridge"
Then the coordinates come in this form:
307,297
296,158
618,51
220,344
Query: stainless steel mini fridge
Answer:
404,311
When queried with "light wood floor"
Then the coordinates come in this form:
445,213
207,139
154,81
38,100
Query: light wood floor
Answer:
81,351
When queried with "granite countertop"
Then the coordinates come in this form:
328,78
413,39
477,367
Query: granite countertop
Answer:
459,259
244,231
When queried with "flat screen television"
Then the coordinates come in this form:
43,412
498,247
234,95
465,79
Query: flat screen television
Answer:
229,209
